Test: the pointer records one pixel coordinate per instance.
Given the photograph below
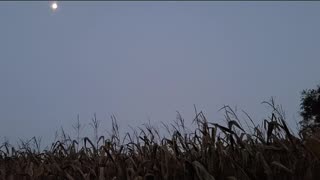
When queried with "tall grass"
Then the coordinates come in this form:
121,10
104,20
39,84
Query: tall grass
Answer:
211,151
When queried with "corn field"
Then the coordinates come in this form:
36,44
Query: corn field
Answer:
210,152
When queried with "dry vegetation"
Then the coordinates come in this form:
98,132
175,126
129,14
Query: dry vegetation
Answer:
212,151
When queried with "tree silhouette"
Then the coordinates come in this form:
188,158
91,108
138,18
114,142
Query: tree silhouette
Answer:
310,110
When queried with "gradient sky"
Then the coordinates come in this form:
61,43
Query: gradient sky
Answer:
146,60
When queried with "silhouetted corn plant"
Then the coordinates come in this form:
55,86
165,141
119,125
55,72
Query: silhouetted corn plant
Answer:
211,151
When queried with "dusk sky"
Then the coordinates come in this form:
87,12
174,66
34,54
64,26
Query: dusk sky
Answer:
144,61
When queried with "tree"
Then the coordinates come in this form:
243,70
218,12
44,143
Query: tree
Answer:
310,110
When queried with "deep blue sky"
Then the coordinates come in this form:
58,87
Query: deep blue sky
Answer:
145,60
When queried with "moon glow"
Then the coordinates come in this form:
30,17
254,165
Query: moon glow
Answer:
54,6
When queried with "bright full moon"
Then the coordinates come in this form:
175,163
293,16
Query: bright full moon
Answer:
54,6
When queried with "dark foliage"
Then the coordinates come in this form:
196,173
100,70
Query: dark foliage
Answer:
310,110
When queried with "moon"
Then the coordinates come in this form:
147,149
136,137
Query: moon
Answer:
54,6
